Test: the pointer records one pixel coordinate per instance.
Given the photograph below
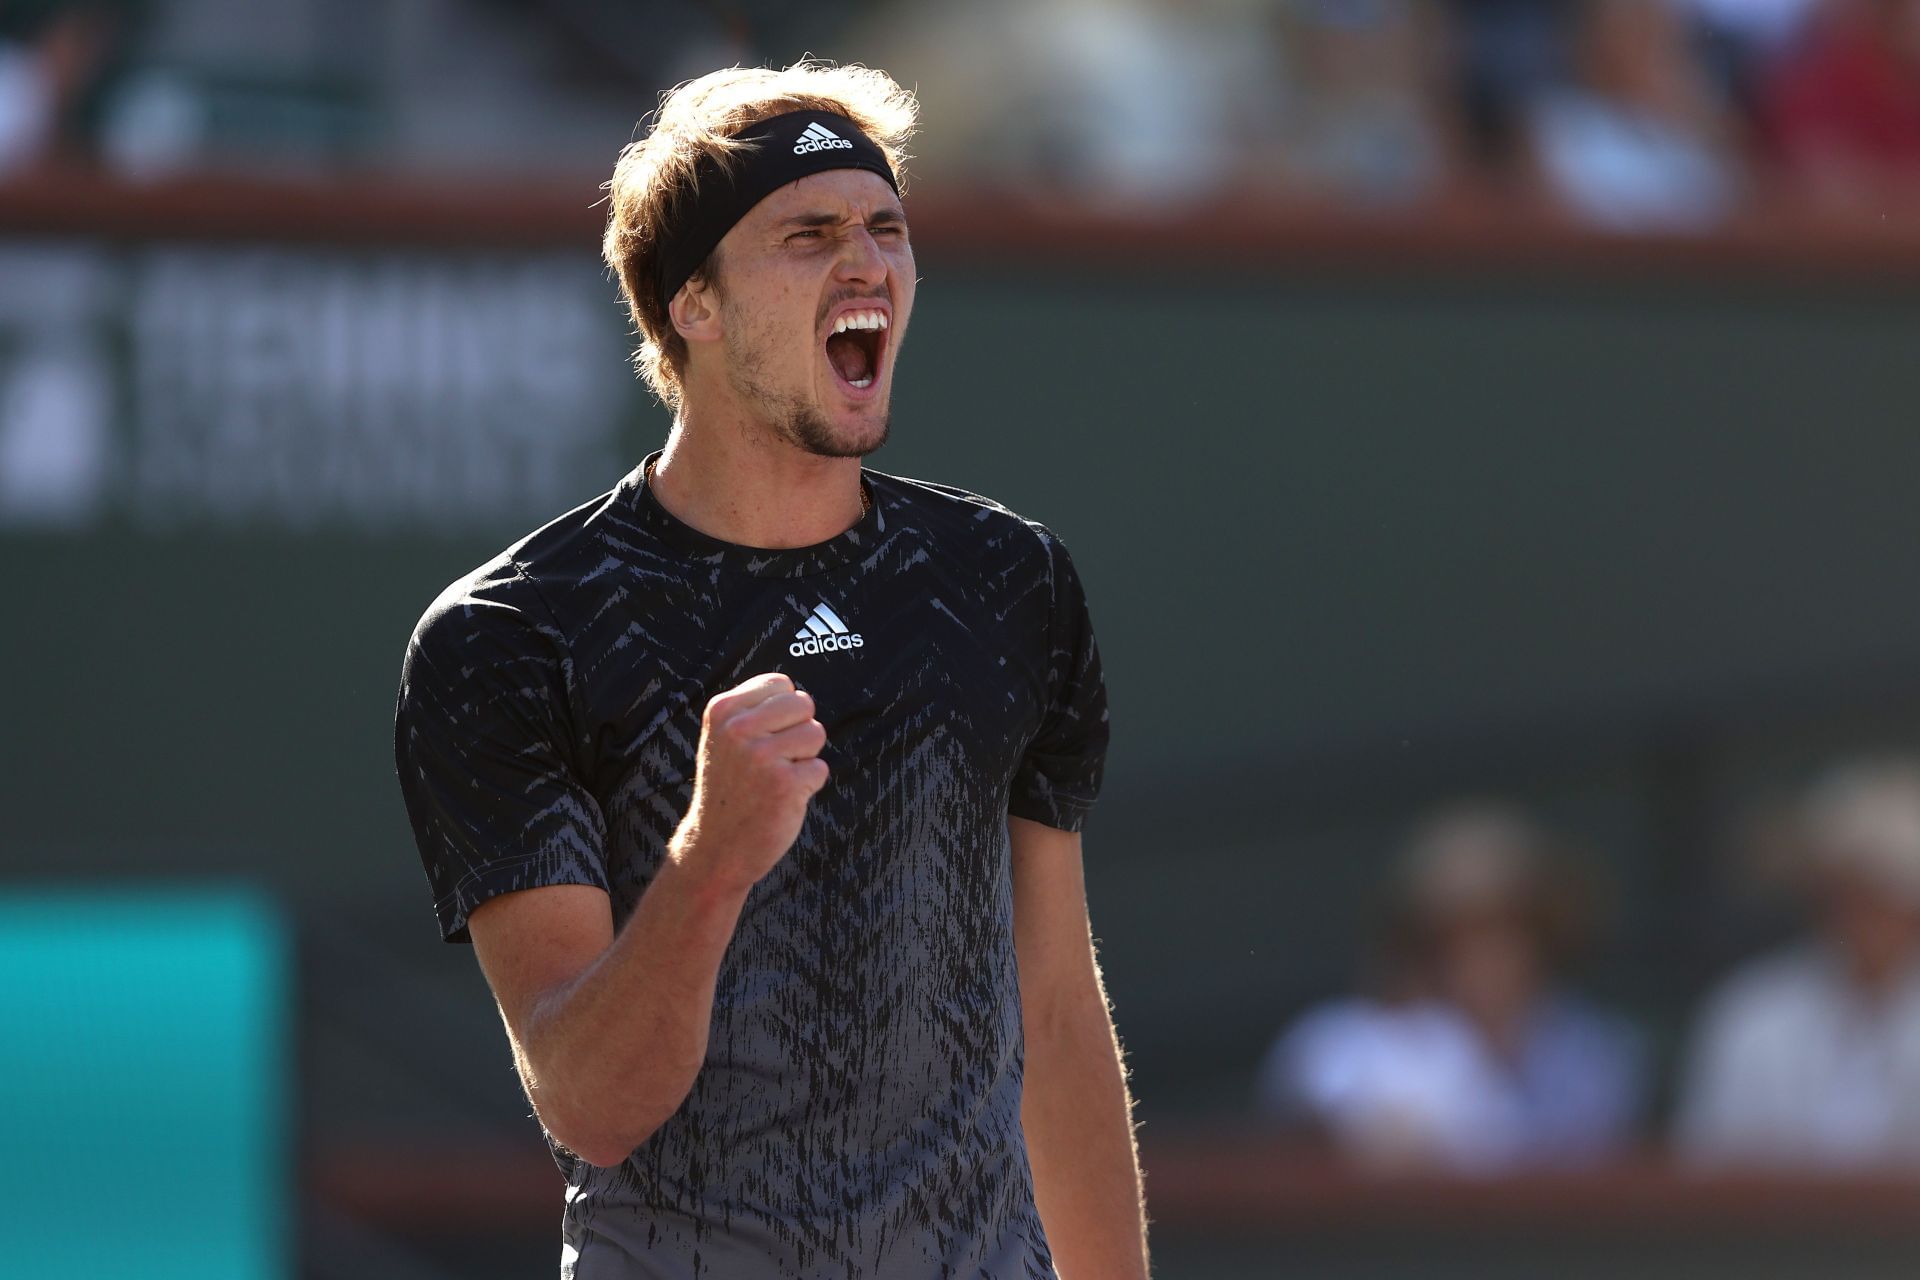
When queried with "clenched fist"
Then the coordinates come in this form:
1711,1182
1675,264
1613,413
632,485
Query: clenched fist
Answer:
759,765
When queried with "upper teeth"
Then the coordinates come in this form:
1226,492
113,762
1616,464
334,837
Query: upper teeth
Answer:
860,320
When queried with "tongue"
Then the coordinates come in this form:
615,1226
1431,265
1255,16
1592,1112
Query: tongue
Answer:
849,357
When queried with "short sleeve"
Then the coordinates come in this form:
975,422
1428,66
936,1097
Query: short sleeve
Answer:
1059,777
482,744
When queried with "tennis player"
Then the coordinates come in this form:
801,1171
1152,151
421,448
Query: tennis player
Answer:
757,783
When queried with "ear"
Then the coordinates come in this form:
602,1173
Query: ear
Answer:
695,312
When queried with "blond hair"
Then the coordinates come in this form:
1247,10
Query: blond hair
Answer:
656,177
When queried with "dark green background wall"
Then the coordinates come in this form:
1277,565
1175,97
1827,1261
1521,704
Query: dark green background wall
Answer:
1627,548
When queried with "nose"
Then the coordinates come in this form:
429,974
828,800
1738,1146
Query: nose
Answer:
860,259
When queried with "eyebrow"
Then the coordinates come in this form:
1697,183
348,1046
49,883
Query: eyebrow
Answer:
886,213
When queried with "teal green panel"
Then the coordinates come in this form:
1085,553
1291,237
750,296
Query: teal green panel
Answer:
144,1066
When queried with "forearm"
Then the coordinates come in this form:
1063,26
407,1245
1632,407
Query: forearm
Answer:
609,1028
613,1054
1078,1120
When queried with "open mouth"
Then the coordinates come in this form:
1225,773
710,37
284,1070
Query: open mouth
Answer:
855,346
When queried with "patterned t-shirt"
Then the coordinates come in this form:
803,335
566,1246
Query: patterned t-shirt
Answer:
858,1114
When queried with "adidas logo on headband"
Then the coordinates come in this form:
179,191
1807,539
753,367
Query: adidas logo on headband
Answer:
817,137
768,158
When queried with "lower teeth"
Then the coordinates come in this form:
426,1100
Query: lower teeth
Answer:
860,382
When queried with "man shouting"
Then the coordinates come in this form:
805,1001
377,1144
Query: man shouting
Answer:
757,782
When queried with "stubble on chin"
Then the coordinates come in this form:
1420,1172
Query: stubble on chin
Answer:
808,430
793,421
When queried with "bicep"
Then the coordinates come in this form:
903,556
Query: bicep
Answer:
1053,939
534,943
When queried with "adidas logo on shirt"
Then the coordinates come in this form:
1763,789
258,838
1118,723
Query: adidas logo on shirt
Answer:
817,137
824,631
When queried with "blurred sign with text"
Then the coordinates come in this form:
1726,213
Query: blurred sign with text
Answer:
246,388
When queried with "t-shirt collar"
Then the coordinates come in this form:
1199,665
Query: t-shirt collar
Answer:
760,562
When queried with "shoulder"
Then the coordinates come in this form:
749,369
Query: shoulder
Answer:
1772,991
946,512
1351,1047
1349,1028
519,589
490,601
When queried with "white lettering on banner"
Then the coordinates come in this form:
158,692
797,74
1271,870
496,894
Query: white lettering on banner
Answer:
56,388
315,389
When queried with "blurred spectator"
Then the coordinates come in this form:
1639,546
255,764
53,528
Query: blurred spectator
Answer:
1506,54
54,59
1812,1057
1362,119
1637,140
27,105
1471,1058
1134,103
1741,40
1844,114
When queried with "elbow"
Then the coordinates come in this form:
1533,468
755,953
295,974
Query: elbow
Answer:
602,1116
603,1138
602,1145
608,1157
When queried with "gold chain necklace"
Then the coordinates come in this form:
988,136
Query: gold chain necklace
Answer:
866,503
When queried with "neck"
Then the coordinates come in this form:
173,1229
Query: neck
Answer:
733,480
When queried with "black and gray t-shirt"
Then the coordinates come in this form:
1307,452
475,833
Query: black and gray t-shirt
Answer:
858,1114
